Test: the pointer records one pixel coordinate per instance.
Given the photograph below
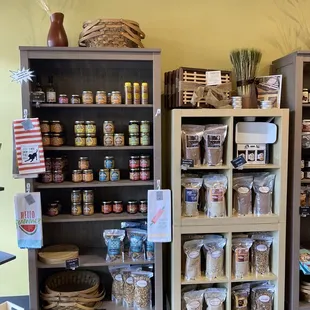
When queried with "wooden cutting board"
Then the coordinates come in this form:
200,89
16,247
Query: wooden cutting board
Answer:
58,253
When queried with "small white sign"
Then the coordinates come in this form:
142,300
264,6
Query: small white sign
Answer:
23,75
214,77
30,154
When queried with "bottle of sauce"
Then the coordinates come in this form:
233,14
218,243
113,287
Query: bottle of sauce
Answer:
50,91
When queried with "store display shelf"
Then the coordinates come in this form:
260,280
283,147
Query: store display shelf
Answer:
97,217
306,105
206,167
253,277
305,181
93,184
110,305
303,305
59,105
266,166
97,148
204,280
94,257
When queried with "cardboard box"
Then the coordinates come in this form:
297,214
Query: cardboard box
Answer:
10,306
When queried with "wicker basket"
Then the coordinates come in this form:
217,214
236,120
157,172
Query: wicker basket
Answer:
111,33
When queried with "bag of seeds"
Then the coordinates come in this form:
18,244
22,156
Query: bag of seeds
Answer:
136,239
241,256
117,283
214,250
142,289
149,250
260,253
240,297
214,138
263,188
193,259
263,297
215,298
190,195
216,187
114,240
191,137
242,186
194,300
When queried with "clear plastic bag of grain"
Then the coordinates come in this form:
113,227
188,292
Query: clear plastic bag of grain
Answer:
242,186
240,296
241,256
186,289
263,188
191,136
215,298
193,259
263,296
114,240
194,300
136,239
128,286
142,289
214,138
252,294
117,283
190,195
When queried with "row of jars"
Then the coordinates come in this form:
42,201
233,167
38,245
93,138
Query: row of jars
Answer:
87,175
51,127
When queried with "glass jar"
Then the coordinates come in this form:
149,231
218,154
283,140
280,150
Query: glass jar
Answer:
75,99
77,176
91,140
90,127
58,176
108,140
145,161
145,139
119,139
145,127
104,175
144,93
134,174
63,98
118,206
133,127
136,93
46,139
47,177
83,163
88,209
143,206
106,207
116,97
76,196
108,127
52,209
114,175
87,97
109,101
145,174
59,206
128,93
57,139
109,162
80,140
88,175
132,206
134,162
48,164
45,126
56,127
79,127
134,139
88,196
58,163
101,97
76,209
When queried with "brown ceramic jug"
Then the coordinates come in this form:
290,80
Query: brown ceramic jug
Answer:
57,35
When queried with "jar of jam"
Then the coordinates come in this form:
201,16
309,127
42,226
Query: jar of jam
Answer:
77,176
76,196
114,175
91,140
108,140
88,209
106,207
118,206
88,196
134,139
58,163
80,140
63,98
116,97
57,139
90,127
104,175
145,161
119,139
108,127
75,99
132,207
76,209
46,139
79,127
45,126
133,127
145,174
134,162
109,162
145,139
58,176
48,164
47,177
52,209
87,97
88,175
101,97
145,127
56,127
143,206
134,174
83,163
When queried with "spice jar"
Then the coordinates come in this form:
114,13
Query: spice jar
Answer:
91,140
132,207
48,164
118,206
145,139
119,139
58,176
45,126
106,207
145,127
75,99
143,206
134,162
88,195
57,139
128,93
77,176
134,174
144,93
87,97
90,127
109,162
47,177
108,127
88,209
52,209
145,174
88,175
134,139
56,127
101,97
76,196
108,140
79,127
145,161
80,140
83,163
76,209
63,98
116,97
114,175
133,127
104,175
46,139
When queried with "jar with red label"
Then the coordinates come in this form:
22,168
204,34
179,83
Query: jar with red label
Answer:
134,174
145,161
106,207
58,163
58,176
52,209
134,162
132,207
118,206
48,164
47,177
145,174
143,206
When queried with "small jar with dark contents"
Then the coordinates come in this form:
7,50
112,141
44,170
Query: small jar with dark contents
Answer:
46,139
75,99
80,140
47,177
58,163
145,174
134,174
63,98
83,163
45,126
88,209
52,209
106,207
134,162
79,127
77,176
76,196
76,209
132,206
118,206
48,164
88,175
58,176
109,162
88,196
143,206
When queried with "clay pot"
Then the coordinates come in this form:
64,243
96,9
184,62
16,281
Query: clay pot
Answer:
57,35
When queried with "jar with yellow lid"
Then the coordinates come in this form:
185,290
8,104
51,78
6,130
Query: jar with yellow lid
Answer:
88,175
56,127
91,140
79,127
90,127
87,97
57,139
80,140
45,126
101,97
116,97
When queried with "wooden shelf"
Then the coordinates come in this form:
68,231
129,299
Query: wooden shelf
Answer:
97,148
206,167
303,305
94,184
87,106
226,167
110,305
253,277
98,217
267,166
305,181
204,280
306,105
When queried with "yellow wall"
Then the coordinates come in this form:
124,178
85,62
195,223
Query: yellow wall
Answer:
198,33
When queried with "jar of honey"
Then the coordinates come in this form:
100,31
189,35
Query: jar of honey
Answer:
88,196
83,163
118,206
88,175
57,139
58,176
56,127
87,97
91,140
77,176
116,97
132,207
45,126
58,163
101,97
79,127
80,140
90,127
106,207
46,139
76,209
119,139
108,127
88,209
108,140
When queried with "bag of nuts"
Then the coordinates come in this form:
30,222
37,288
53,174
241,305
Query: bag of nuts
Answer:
117,283
142,290
242,186
262,298
190,195
114,240
241,256
215,298
240,297
194,300
193,259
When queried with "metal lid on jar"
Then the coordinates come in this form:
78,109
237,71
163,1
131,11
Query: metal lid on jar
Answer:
119,134
133,122
81,135
90,122
131,202
145,156
116,92
87,92
83,158
63,95
88,171
75,96
108,122
76,191
103,170
77,171
45,122
143,201
108,157
134,157
133,135
92,135
145,169
88,203
101,92
58,158
58,171
107,202
134,170
57,135
117,201
55,122
87,191
75,204
145,122
46,134
79,122
115,170
53,205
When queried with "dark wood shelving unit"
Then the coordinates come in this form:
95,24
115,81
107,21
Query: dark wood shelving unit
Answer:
88,106
97,148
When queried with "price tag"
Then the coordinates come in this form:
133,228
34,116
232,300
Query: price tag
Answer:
187,163
304,211
238,162
72,263
214,77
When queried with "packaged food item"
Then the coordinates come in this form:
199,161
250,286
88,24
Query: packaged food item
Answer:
101,97
119,139
76,196
145,139
128,93
306,125
191,137
136,93
88,208
109,162
134,127
193,259
145,161
87,97
241,256
57,139
136,238
75,99
52,209
216,186
47,177
79,128
185,289
215,298
134,139
116,97
117,283
134,162
149,250
303,196
143,206
262,297
144,93
56,127
58,176
76,209
108,140
143,289
77,176
132,206
108,127
63,98
190,195
83,163
80,140
104,175
263,188
114,175
45,126
243,194
90,127
106,207
91,140
88,195
88,175
145,174
46,139
214,138
118,206
114,240
134,174
240,297
194,300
